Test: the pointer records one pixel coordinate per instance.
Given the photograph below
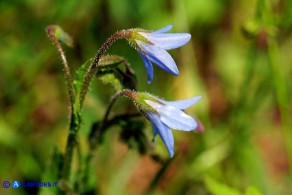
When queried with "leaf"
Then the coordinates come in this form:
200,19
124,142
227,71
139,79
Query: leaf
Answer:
127,77
80,75
108,72
105,66
110,62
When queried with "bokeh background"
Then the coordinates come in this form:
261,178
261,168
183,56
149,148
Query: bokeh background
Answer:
239,60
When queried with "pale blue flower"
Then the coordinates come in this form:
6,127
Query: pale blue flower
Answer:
152,47
169,115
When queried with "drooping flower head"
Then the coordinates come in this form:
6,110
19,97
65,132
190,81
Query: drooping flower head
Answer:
166,115
152,47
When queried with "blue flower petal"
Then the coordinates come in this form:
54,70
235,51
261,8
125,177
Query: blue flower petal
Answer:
168,41
149,67
173,117
182,104
163,30
160,57
164,132
155,132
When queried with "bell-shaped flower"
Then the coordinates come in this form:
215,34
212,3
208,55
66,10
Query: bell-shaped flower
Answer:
166,115
152,47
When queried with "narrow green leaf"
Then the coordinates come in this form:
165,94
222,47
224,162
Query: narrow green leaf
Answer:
80,75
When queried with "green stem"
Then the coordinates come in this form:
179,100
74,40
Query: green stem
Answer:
71,143
75,109
75,116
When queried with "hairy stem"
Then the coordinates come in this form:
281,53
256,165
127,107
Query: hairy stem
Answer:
91,71
105,123
124,92
74,116
67,72
71,144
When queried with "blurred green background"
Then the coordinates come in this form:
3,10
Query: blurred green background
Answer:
239,60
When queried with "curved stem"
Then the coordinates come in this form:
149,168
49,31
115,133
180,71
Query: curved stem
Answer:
74,116
125,92
104,122
67,71
75,111
93,67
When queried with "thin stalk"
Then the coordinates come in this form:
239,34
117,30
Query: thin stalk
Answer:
124,92
91,71
67,72
74,116
105,123
75,119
